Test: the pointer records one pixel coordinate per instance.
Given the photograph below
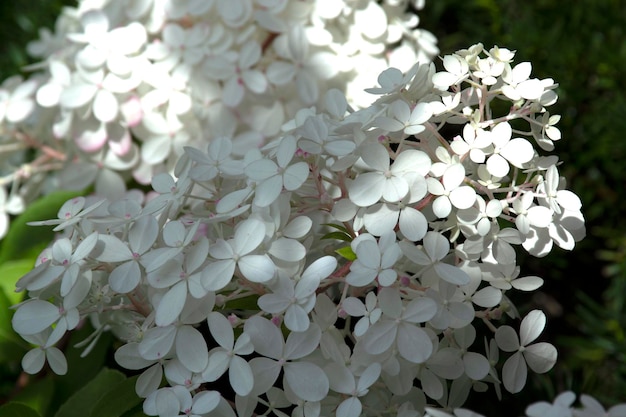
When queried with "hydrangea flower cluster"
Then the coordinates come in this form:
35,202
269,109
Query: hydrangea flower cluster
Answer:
343,268
122,87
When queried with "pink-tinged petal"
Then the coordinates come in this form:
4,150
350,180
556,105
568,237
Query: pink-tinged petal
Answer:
121,143
92,140
132,111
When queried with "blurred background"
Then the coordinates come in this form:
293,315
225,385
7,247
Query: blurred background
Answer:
582,46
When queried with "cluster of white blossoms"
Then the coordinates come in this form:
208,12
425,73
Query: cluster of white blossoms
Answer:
123,86
346,267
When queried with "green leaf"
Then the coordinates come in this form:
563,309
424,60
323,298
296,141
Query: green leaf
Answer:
37,395
10,272
23,240
82,403
346,252
338,235
14,409
245,303
338,227
118,400
81,370
12,347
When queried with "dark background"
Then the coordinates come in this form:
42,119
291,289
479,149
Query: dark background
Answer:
582,46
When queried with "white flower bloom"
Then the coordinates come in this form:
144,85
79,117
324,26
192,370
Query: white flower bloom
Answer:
386,181
237,252
540,357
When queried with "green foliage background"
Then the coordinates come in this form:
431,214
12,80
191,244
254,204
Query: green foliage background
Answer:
582,46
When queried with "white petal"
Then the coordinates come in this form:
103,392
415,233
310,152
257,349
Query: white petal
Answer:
518,151
451,274
380,337
300,344
248,236
476,365
205,402
296,318
125,277
56,360
216,275
530,283
414,344
257,268
497,166
240,376
289,250
306,380
221,330
265,336
191,349
157,342
33,361
105,106
413,224
463,197
540,357
111,249
34,316
295,175
506,338
514,373
77,95
350,407
171,304
487,297
367,189
532,326
341,379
